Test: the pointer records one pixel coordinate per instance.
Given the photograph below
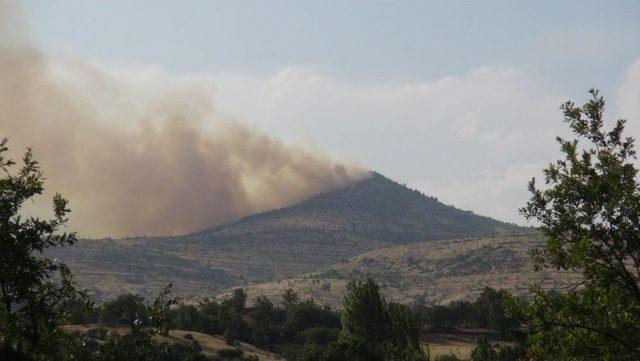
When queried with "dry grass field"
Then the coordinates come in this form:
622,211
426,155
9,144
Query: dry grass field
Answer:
432,271
210,344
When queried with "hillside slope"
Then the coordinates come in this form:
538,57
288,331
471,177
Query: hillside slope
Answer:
376,209
434,271
320,231
110,267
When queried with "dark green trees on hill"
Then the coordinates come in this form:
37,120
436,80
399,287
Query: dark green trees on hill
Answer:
373,329
487,311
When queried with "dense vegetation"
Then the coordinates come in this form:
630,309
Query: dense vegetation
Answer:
303,330
487,311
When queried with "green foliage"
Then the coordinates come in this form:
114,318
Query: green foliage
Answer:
231,317
289,297
32,288
373,329
186,317
590,211
365,313
307,331
489,310
485,351
320,336
79,311
124,310
308,314
98,333
261,322
139,344
37,294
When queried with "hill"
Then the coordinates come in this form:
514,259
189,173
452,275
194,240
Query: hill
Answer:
109,267
320,231
434,271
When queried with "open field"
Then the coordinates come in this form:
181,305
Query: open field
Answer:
458,342
210,344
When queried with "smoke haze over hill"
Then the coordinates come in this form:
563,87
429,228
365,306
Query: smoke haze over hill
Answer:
140,152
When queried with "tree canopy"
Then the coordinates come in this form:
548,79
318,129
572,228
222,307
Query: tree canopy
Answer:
32,287
589,210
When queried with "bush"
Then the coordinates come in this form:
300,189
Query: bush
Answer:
231,353
98,333
124,310
321,336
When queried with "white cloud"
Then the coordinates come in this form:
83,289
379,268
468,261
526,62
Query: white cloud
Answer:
454,137
473,140
499,194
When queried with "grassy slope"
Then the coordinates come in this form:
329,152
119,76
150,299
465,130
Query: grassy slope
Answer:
433,271
111,267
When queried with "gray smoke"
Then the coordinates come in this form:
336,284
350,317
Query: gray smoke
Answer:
139,152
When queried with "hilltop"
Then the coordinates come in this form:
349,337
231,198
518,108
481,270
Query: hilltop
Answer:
320,231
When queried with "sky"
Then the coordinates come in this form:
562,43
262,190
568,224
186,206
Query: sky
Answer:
457,99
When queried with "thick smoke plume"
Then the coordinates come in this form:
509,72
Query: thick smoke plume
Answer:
139,152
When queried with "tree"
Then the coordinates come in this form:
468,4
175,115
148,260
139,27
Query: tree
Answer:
483,350
231,317
373,329
261,321
289,297
124,310
491,311
464,312
37,293
365,313
589,210
139,343
33,288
